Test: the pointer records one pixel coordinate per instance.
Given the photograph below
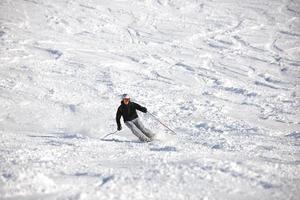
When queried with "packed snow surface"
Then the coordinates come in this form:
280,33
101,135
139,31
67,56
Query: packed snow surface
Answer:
224,75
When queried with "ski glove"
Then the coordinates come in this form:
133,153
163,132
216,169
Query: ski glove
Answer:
119,128
144,110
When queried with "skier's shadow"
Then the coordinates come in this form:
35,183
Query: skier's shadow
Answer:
120,141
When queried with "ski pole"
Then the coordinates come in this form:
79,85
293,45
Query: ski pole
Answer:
162,123
108,135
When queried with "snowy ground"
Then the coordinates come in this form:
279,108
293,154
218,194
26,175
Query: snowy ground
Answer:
225,75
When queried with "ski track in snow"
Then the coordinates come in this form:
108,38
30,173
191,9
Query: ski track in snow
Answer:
224,75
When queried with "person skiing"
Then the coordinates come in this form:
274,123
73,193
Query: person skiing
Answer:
127,110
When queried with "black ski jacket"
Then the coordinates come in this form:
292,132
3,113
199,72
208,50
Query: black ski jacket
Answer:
128,112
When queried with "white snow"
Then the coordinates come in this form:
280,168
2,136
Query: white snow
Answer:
224,75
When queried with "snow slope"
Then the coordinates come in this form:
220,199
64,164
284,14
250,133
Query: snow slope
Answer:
223,74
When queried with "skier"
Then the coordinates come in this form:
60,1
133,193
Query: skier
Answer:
127,110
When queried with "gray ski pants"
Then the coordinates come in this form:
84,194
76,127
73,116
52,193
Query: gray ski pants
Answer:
139,130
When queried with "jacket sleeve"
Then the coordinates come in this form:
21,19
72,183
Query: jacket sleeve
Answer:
140,108
118,117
